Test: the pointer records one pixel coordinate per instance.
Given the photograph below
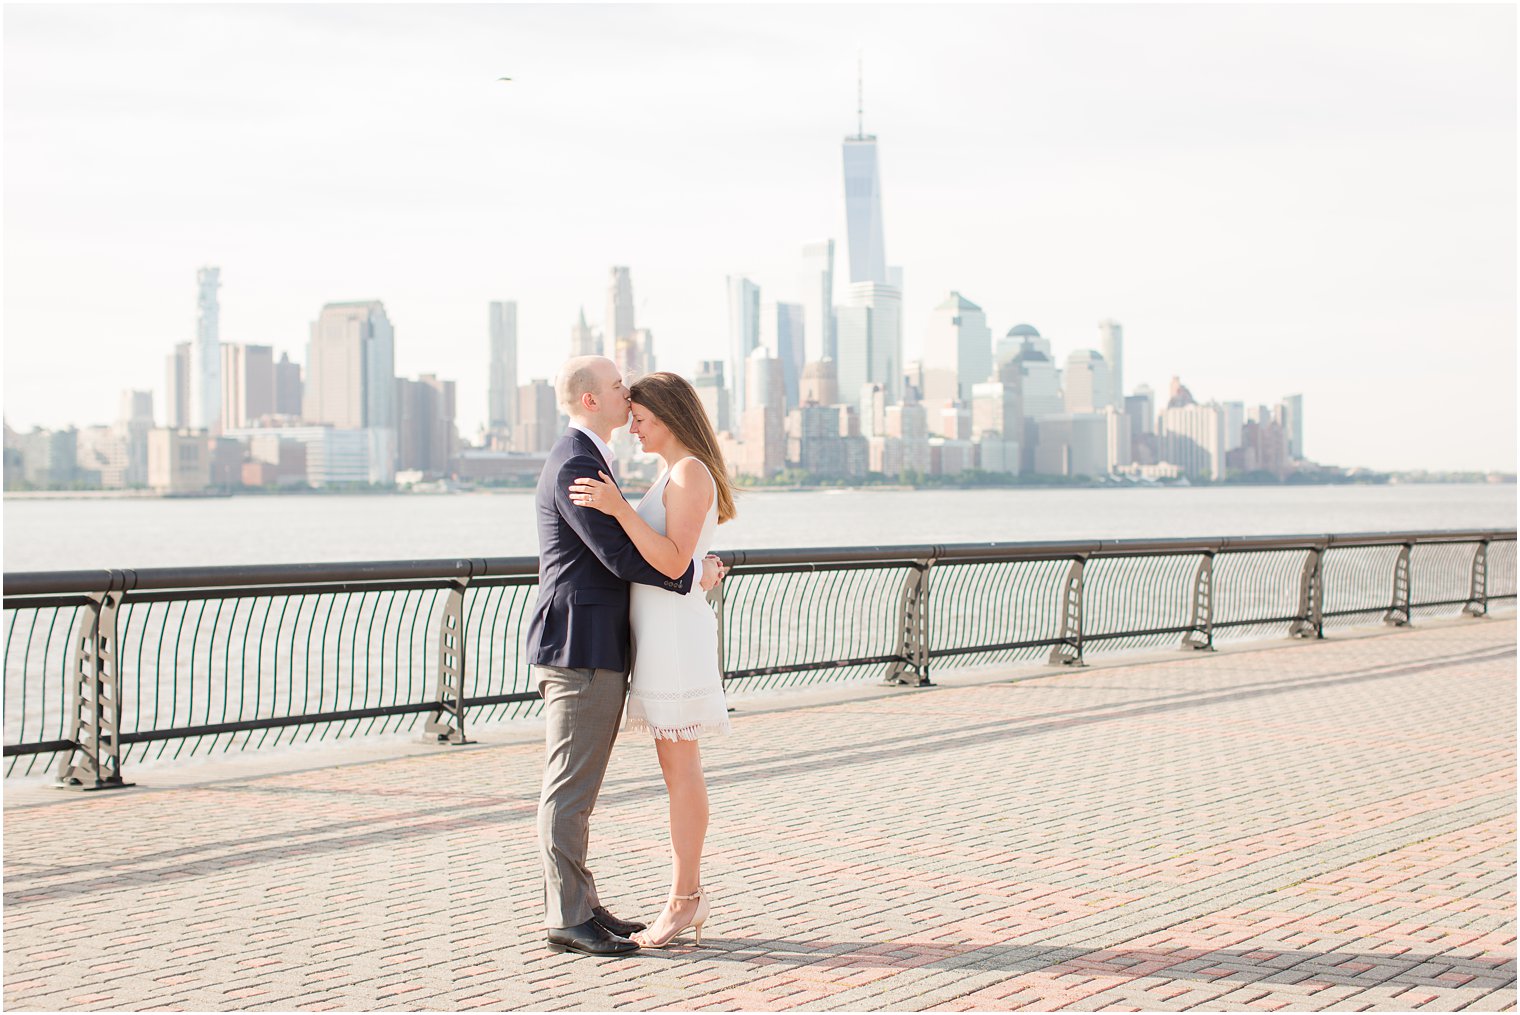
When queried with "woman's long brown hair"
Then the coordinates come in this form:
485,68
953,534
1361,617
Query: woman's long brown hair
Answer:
674,402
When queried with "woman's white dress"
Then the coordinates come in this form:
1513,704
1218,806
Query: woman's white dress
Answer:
675,690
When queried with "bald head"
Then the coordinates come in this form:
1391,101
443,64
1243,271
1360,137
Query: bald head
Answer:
590,391
581,376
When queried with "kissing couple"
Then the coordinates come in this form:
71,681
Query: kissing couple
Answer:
621,618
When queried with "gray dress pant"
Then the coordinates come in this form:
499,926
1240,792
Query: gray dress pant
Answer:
581,711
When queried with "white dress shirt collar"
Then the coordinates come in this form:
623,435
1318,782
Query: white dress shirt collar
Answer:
601,446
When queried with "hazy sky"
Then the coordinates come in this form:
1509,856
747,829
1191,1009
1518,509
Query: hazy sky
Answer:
1270,199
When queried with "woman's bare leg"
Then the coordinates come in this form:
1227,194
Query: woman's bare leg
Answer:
681,764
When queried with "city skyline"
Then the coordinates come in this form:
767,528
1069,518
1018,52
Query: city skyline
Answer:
1363,363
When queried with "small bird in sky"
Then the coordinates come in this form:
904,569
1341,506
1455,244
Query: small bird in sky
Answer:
503,79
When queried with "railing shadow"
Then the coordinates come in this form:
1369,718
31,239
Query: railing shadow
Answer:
1264,966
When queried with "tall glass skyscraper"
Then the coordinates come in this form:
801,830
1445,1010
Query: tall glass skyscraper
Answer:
872,349
206,354
1293,413
350,368
1088,382
853,364
862,202
1111,344
503,382
743,333
177,390
870,339
782,332
885,302
862,209
619,308
957,350
818,299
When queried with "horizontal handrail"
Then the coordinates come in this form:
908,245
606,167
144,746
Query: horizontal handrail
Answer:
35,583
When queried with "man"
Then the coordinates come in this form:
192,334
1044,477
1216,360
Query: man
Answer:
578,645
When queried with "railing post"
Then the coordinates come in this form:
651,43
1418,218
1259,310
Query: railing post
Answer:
1201,627
913,629
1477,596
1397,613
715,600
94,762
451,659
1311,590
1069,651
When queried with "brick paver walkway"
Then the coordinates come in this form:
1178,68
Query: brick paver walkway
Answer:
1327,825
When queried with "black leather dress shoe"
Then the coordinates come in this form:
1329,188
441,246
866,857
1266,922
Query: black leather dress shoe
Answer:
622,928
589,938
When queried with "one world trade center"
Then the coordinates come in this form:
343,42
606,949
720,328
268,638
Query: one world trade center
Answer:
868,327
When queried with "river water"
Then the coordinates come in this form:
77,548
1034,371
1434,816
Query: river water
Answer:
137,533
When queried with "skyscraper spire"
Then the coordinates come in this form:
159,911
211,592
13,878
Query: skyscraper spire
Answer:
860,96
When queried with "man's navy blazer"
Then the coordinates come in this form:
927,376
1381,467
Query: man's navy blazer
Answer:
585,562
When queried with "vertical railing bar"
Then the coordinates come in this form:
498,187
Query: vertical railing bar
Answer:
326,728
339,729
179,636
26,655
859,632
47,645
763,654
401,625
715,603
520,595
817,586
158,678
420,617
210,671
295,626
385,626
488,629
242,665
979,585
138,697
332,600
258,665
498,678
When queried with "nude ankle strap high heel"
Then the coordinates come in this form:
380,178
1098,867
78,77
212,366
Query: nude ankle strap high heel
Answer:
694,925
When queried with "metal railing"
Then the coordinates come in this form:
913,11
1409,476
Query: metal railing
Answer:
105,666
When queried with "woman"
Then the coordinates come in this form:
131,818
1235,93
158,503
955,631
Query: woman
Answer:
675,690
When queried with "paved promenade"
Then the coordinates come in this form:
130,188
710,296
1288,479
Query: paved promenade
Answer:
1323,825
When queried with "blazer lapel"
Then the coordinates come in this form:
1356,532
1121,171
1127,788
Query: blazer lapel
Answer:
589,446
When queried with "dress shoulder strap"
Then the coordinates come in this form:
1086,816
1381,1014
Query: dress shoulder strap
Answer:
710,478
